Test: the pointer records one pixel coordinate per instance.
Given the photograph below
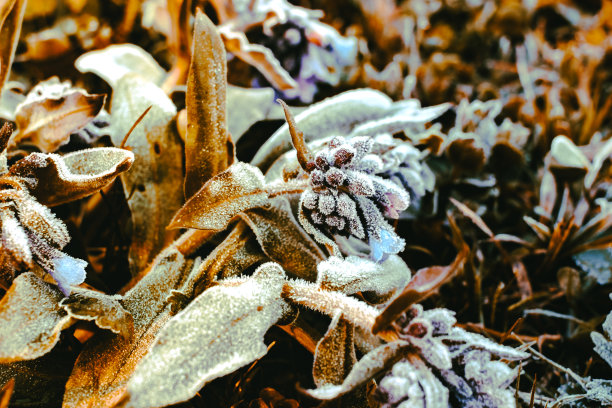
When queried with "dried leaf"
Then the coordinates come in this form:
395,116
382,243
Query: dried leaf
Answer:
237,189
11,18
465,210
31,319
283,240
220,331
353,274
105,310
107,362
115,61
335,353
206,142
522,279
364,370
425,282
151,184
47,120
60,179
258,56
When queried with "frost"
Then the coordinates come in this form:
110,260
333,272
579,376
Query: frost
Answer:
217,333
237,189
354,274
603,345
335,353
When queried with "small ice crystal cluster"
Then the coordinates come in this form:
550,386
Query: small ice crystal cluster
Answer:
459,369
347,198
32,238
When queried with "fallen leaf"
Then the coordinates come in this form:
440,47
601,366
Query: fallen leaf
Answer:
116,61
283,240
47,117
61,179
151,184
31,319
258,56
335,353
105,310
219,332
206,141
107,361
224,196
11,18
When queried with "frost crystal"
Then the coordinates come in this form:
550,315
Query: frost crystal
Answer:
461,361
347,198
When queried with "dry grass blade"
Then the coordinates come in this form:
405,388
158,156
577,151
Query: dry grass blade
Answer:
465,210
424,283
206,141
297,138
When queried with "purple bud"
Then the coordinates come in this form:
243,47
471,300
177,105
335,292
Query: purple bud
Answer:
317,178
321,161
327,203
335,177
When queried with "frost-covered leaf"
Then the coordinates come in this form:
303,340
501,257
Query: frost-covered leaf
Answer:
31,319
107,361
236,189
364,370
11,17
219,332
207,150
335,353
115,61
105,310
52,111
333,116
39,383
60,179
283,240
412,114
153,183
566,157
246,106
353,274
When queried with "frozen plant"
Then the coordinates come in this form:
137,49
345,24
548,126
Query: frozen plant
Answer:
345,197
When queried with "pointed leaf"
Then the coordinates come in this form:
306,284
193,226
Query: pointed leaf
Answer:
364,370
61,179
105,310
206,142
31,319
105,365
6,392
335,353
283,240
237,189
153,181
11,18
219,332
46,119
115,61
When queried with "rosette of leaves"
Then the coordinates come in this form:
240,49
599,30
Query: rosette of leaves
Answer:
291,48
